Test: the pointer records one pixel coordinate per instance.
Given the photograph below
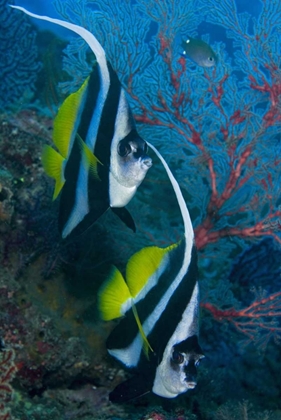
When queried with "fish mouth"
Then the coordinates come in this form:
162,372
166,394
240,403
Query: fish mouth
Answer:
191,384
147,162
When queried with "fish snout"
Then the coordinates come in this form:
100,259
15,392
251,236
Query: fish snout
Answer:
147,161
191,384
190,373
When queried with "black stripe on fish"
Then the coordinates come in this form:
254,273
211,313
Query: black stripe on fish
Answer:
127,331
106,120
165,342
145,307
97,190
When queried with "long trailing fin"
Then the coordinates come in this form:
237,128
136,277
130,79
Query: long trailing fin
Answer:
84,33
53,165
188,229
91,159
146,345
65,121
143,265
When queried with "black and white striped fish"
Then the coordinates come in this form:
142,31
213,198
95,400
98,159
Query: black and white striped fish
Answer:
101,159
158,336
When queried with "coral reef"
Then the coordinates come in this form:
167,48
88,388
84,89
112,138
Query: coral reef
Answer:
6,199
220,130
243,411
19,65
8,370
21,177
51,325
257,267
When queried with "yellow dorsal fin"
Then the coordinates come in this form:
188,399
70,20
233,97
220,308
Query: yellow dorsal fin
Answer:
53,165
113,295
142,265
146,345
91,159
64,123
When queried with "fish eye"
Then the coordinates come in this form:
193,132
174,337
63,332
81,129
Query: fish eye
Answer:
210,58
124,149
177,357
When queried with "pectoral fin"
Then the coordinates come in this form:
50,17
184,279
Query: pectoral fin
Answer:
125,216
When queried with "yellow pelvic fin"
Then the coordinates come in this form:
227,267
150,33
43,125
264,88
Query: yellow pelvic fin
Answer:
65,120
112,295
142,265
91,160
53,165
146,345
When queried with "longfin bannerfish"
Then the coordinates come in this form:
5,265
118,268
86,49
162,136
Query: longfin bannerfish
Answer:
99,114
199,52
160,289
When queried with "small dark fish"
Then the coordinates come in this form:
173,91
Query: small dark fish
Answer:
199,51
101,159
158,336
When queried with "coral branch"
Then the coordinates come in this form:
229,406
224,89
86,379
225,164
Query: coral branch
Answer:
259,321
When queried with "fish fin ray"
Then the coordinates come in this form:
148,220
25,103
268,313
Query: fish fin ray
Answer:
91,159
113,294
53,165
114,299
64,123
149,260
188,229
146,345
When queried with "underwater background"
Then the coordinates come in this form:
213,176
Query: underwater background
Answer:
219,129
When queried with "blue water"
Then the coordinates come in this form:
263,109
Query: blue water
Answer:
219,129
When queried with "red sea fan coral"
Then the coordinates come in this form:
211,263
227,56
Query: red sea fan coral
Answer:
218,127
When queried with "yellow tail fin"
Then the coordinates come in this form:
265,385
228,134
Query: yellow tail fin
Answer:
113,295
114,301
53,165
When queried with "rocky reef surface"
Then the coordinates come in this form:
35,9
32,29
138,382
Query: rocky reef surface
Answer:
53,362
